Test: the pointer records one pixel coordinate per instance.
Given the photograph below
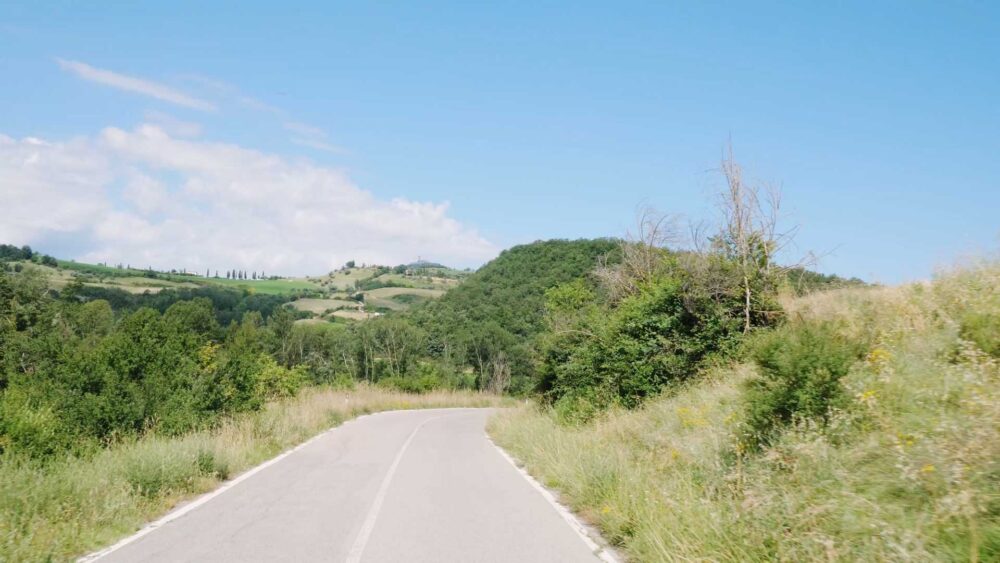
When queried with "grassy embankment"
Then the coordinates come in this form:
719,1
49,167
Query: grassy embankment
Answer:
72,506
906,469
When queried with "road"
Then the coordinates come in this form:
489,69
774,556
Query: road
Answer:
421,486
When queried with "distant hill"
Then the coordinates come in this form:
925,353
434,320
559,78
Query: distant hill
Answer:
355,293
509,291
425,264
350,293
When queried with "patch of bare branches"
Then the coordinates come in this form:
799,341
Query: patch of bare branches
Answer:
642,255
735,259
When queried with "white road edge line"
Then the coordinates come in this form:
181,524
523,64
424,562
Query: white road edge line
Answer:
583,530
181,511
361,541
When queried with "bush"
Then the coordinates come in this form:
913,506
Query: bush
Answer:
983,328
343,381
579,407
427,379
276,381
661,335
800,368
27,429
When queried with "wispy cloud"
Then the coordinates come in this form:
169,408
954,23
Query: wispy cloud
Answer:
134,84
172,125
318,145
311,136
302,134
257,105
304,129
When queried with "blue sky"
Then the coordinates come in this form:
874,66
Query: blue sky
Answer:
531,120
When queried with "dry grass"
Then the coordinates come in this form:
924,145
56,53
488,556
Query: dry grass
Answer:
344,280
321,306
353,315
909,472
387,292
58,278
74,506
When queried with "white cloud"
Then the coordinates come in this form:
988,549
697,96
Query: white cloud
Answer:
311,136
319,145
50,187
133,84
147,197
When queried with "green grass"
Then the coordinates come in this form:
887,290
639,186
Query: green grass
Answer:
399,298
72,506
99,269
908,469
272,287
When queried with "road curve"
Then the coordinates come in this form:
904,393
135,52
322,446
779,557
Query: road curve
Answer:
421,486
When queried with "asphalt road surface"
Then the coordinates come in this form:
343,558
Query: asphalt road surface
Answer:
421,486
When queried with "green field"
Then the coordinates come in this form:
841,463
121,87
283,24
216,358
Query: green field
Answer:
139,281
399,298
273,287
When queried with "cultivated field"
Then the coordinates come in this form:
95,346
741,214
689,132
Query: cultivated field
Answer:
342,279
390,292
353,315
273,287
59,277
321,306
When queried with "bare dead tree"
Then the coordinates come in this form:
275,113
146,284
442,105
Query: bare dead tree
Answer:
749,233
642,257
499,373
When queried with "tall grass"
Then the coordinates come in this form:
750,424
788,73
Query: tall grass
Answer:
907,470
72,506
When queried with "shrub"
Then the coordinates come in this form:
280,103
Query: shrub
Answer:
983,328
25,428
343,381
277,381
661,335
580,406
800,368
413,384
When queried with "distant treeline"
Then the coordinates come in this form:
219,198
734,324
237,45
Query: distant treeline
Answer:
228,305
10,252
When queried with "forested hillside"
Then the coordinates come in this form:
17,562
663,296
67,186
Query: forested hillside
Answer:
509,291
489,323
